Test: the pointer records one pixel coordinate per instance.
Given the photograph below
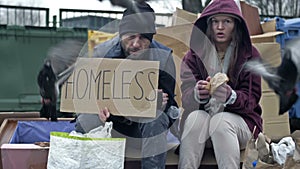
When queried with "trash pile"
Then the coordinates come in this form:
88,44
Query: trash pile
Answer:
263,153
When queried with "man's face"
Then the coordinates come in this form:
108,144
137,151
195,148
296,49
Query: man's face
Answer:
133,43
223,27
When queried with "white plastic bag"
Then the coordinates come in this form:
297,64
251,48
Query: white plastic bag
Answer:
73,152
98,132
285,147
214,106
101,132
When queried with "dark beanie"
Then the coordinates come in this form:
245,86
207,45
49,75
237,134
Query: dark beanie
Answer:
138,18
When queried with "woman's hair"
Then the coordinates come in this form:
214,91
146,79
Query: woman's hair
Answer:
236,38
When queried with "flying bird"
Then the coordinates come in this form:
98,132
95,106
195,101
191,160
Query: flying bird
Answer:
57,67
124,3
281,79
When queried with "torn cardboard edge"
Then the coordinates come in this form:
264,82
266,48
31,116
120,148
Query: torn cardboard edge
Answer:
265,37
181,17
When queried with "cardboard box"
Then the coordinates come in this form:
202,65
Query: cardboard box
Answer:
16,156
269,33
178,39
269,26
4,115
175,37
265,37
251,15
181,17
275,126
271,53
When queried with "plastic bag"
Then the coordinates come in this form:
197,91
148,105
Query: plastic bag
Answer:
293,162
73,152
98,132
280,151
251,155
214,106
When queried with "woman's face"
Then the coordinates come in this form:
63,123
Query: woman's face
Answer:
222,27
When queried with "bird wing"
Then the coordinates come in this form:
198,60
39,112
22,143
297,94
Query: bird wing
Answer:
263,69
64,55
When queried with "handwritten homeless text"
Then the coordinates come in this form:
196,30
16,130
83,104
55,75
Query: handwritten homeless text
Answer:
126,87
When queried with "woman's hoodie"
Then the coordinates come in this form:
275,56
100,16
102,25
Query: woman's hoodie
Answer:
246,85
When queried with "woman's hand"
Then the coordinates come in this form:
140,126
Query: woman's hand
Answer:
104,114
222,93
202,92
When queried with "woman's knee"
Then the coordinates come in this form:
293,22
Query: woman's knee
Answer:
198,115
220,123
196,123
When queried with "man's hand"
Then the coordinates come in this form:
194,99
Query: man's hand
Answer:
104,114
162,99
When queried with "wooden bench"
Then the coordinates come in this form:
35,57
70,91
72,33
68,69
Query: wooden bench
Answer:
208,161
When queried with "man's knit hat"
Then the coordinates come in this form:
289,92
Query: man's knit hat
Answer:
138,18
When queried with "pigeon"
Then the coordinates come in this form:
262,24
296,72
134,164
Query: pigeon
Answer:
282,79
57,67
124,3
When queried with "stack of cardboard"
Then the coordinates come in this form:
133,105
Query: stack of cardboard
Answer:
177,37
268,34
275,126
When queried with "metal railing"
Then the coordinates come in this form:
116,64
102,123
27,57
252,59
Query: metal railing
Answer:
92,19
262,17
100,19
24,16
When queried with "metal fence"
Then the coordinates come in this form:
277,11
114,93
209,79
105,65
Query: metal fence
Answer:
91,19
101,20
24,16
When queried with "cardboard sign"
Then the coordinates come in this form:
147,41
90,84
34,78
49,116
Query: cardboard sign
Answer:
125,87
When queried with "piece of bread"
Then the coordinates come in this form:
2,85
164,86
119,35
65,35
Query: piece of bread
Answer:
216,81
